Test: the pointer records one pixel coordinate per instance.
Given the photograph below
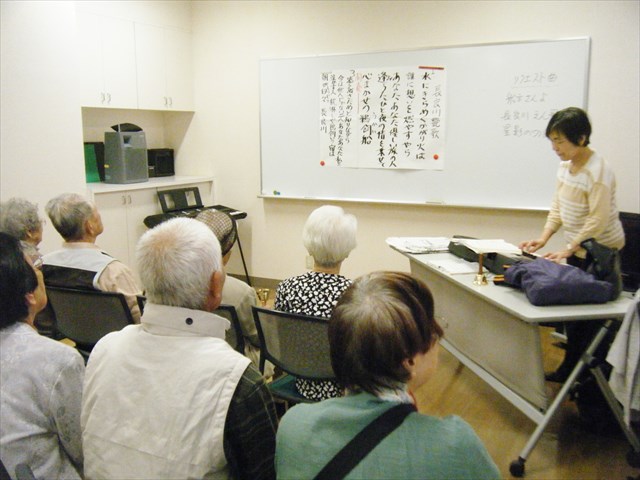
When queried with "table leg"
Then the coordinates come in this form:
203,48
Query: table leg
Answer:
517,466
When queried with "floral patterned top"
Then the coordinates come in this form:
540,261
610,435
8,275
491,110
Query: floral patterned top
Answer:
312,293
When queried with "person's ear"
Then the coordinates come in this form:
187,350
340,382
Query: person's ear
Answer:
89,227
408,364
214,295
583,140
30,300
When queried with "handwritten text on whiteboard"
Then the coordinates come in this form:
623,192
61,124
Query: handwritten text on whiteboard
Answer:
390,118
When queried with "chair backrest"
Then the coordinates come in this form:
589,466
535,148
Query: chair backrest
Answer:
298,344
234,335
4,474
23,472
630,254
85,316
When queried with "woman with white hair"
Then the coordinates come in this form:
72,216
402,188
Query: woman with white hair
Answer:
20,219
329,236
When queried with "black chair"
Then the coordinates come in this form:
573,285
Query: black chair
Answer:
142,301
24,472
234,336
4,474
630,254
85,316
298,345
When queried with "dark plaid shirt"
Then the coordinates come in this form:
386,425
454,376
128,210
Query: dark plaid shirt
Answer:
250,429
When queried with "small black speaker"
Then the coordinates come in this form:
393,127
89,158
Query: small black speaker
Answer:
160,162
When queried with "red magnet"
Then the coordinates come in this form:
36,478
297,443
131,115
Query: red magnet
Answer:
435,157
322,163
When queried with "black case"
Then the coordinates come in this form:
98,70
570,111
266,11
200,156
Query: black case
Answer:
160,162
494,262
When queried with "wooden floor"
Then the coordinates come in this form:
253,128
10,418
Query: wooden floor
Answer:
565,450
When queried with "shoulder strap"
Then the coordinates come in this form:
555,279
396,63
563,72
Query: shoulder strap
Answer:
359,447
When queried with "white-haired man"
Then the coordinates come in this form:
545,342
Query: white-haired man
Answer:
80,263
169,398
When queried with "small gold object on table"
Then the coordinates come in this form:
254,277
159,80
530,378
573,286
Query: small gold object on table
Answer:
481,278
263,295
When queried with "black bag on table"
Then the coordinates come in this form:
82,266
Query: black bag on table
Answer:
604,264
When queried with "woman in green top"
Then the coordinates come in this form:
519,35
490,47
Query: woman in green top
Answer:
384,344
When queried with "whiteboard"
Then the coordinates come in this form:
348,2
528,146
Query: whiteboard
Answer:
499,98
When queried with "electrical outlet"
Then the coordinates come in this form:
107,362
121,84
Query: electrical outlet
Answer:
309,262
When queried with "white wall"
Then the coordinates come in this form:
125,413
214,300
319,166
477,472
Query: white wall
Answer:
41,132
167,13
231,37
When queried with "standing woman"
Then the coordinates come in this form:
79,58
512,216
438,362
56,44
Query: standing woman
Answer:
584,204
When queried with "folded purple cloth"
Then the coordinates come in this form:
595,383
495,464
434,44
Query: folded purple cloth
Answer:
547,283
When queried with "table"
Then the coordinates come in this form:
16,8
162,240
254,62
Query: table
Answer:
493,330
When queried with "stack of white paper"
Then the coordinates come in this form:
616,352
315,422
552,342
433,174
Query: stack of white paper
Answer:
419,244
489,246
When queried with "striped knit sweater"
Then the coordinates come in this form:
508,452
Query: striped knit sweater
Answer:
584,204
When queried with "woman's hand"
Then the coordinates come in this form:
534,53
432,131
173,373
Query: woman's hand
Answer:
558,256
532,245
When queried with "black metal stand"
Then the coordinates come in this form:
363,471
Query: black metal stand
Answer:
244,264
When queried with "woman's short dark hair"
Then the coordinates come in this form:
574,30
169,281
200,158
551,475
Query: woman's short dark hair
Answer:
573,123
17,278
382,319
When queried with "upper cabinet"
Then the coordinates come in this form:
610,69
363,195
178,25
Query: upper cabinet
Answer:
164,71
126,64
107,61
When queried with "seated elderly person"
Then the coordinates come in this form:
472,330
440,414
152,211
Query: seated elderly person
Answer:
329,235
169,398
80,263
383,339
236,292
20,218
41,379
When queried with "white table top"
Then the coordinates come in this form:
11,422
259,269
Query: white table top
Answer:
515,301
